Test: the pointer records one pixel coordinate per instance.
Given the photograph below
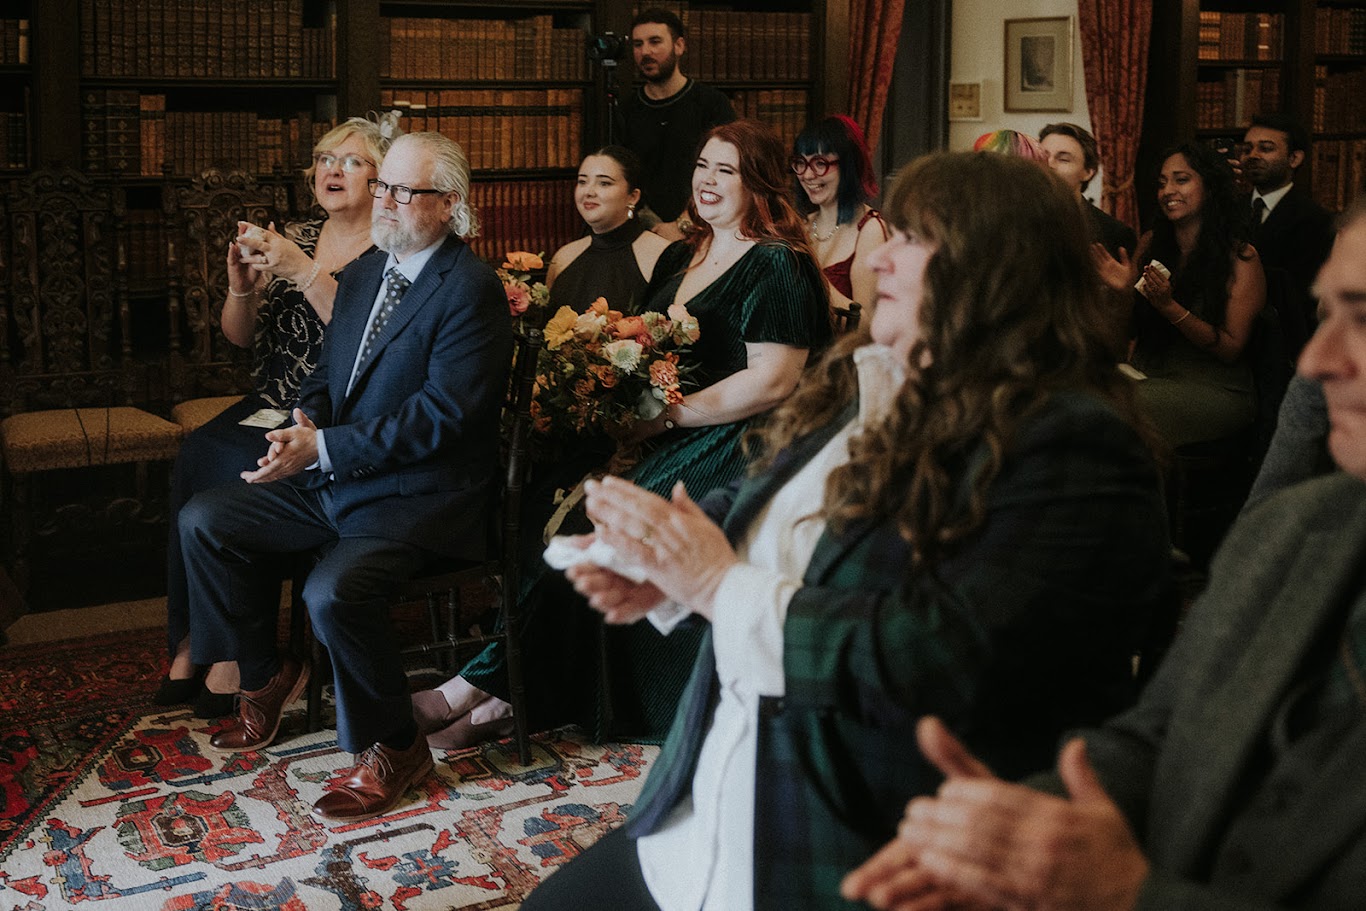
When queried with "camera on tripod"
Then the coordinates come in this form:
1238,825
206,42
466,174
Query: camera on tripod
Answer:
608,47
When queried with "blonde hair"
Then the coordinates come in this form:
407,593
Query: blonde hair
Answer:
369,134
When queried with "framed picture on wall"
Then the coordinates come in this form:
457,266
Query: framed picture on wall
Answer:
1039,64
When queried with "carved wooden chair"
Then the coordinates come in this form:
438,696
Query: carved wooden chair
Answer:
68,379
207,372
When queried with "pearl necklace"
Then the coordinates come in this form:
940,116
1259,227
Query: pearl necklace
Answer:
822,239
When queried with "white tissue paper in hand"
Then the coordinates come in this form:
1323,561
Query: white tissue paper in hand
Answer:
561,554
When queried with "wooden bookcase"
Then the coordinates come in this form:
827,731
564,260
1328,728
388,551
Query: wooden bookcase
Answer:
1216,63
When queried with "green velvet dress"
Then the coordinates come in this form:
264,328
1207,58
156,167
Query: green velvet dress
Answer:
627,680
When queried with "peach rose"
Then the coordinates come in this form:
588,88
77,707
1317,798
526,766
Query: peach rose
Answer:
522,261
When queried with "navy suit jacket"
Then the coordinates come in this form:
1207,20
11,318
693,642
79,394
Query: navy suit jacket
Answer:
1031,623
414,446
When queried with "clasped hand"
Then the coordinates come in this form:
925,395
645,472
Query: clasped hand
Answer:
683,552
291,450
984,843
266,251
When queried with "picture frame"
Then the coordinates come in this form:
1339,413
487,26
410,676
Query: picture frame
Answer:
1038,64
965,101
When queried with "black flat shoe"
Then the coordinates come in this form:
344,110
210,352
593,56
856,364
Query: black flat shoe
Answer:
213,705
179,692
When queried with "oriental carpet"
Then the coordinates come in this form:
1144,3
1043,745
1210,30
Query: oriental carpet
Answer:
107,799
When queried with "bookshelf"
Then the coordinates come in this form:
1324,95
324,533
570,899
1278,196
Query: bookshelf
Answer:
1214,64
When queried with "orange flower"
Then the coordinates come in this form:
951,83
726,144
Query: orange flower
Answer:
606,376
601,308
522,261
628,327
664,374
584,388
673,396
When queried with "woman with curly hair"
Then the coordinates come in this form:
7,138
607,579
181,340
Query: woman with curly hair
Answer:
1191,328
955,513
747,275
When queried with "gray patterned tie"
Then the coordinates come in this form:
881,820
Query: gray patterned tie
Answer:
397,286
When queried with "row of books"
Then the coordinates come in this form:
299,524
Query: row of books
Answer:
1233,101
509,128
726,44
13,140
534,215
14,34
786,110
147,254
128,133
203,38
1339,171
1340,30
1241,36
481,49
1339,100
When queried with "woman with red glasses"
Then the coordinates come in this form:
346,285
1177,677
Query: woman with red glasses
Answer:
836,183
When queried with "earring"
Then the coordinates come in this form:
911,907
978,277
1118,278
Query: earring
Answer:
631,211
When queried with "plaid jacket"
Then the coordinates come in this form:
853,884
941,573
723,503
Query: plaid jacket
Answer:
1026,629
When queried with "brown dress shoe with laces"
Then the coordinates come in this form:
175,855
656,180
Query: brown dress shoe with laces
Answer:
259,711
377,784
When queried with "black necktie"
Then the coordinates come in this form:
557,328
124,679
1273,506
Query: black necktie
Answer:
1258,211
397,285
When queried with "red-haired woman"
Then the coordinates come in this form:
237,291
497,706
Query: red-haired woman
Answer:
747,274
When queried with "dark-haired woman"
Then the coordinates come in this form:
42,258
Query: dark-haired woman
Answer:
955,514
836,184
1191,329
747,275
618,256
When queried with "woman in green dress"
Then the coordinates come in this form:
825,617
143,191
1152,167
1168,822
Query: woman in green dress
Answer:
747,275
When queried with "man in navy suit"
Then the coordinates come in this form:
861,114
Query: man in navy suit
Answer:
391,464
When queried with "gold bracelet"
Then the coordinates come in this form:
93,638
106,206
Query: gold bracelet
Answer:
249,293
1177,321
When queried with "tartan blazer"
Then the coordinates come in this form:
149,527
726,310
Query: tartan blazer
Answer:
1022,631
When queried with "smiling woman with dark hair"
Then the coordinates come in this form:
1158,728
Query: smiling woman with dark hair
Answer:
955,514
1191,327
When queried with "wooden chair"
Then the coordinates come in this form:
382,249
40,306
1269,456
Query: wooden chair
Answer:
450,631
68,378
846,319
207,372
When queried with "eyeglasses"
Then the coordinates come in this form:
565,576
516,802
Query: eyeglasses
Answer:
402,195
348,163
818,166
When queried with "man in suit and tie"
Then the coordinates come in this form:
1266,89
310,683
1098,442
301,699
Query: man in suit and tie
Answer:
1237,781
1290,231
390,465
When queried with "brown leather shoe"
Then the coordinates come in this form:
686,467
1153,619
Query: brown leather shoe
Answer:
259,711
377,783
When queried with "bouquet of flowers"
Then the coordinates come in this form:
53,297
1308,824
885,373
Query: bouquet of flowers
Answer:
527,300
603,371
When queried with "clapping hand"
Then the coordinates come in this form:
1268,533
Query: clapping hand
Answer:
683,552
1003,845
1117,274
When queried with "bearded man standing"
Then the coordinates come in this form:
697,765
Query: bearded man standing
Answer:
664,119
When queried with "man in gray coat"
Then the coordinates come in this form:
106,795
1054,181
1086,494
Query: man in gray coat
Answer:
1237,781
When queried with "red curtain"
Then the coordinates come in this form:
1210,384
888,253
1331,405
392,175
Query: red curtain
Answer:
1114,52
874,29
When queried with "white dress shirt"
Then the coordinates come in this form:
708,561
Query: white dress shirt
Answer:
1271,199
702,856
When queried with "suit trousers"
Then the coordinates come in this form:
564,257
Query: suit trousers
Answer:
235,542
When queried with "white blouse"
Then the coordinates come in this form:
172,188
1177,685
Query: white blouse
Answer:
702,856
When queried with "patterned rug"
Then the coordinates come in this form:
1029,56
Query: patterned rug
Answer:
105,799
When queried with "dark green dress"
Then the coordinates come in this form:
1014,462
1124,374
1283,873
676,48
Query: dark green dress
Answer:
629,681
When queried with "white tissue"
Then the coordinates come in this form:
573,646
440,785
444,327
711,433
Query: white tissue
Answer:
561,554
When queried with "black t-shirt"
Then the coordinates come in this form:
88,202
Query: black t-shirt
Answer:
665,135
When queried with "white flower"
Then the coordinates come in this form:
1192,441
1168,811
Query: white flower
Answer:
623,354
